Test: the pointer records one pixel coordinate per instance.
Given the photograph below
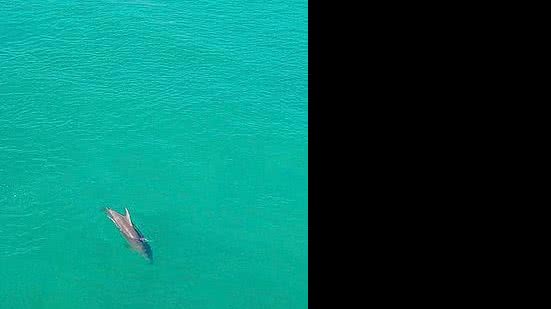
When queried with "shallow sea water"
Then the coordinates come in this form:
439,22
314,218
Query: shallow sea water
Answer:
192,114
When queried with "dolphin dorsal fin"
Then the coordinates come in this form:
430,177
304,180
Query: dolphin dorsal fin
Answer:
128,216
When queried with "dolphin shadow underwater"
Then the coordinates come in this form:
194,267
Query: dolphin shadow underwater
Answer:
130,232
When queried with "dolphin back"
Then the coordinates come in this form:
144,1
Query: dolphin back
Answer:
131,233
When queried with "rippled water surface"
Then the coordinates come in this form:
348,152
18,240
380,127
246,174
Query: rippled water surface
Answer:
192,114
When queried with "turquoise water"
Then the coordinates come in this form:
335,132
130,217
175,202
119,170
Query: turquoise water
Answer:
192,114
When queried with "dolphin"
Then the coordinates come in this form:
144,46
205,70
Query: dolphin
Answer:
131,233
